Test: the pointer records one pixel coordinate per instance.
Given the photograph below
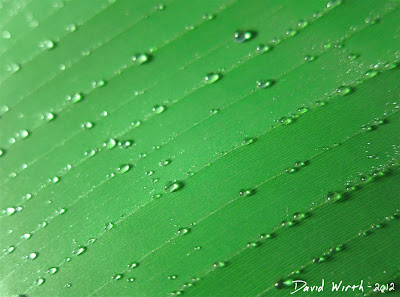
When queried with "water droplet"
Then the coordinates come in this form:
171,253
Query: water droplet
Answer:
110,143
13,67
2,152
174,186
309,58
47,44
10,211
247,192
55,179
52,270
214,111
6,35
87,125
40,281
212,78
333,3
136,124
80,250
124,168
23,134
172,277
208,16
352,57
117,277
249,140
371,73
183,231
90,153
261,48
104,113
131,279
133,265
109,226
302,24
286,121
33,256
48,116
26,236
220,264
125,144
157,196
140,59
344,90
70,28
10,249
157,109
75,97
291,32
98,83
254,244
262,84
159,6
163,163
334,196
68,285
61,211
242,36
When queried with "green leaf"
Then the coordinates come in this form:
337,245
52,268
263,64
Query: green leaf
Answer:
205,148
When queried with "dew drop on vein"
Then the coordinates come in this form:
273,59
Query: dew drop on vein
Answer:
262,84
47,44
242,36
212,78
157,109
174,186
124,168
110,143
140,59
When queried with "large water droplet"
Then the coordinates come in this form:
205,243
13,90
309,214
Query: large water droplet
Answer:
262,84
47,44
183,231
80,250
33,256
110,143
157,109
48,116
344,90
242,36
10,211
212,78
124,168
140,59
174,186
75,97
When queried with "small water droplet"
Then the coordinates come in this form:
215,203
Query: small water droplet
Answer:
10,249
52,270
352,57
47,44
131,279
371,73
159,6
125,144
68,285
110,143
309,58
98,83
172,277
6,34
163,163
291,32
133,265
157,196
157,109
87,125
13,67
302,24
261,48
55,179
48,116
344,90
124,168
61,211
80,250
220,264
334,196
109,226
212,78
183,231
10,211
174,186
70,28
26,236
33,256
140,59
117,277
23,134
262,84
214,111
75,97
249,140
40,281
242,36
90,153
247,192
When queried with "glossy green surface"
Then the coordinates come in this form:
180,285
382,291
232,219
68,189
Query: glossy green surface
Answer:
203,147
